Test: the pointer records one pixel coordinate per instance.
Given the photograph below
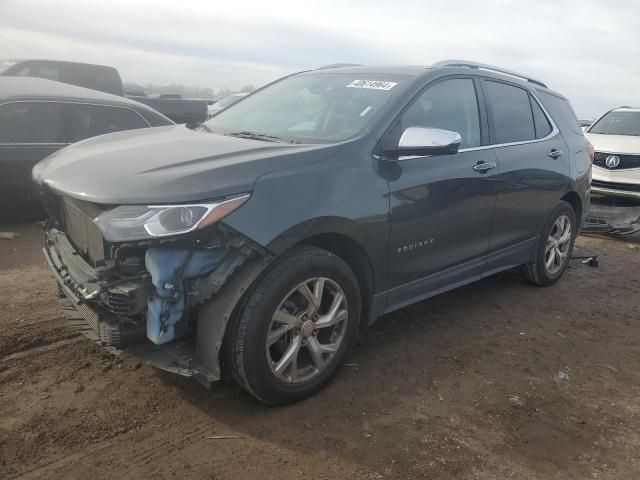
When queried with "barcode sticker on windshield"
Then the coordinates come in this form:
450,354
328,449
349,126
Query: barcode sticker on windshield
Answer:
372,84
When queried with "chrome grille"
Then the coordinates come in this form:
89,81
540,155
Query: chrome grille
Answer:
80,229
626,161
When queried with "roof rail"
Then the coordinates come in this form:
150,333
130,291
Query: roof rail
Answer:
482,66
338,65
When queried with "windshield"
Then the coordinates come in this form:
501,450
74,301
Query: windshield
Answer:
618,123
311,108
226,101
6,64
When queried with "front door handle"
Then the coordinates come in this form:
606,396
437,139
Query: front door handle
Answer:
482,167
555,153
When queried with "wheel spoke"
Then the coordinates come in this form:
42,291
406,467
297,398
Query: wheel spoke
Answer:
290,357
335,315
285,318
563,224
275,335
557,259
566,235
550,244
293,369
318,350
312,301
316,353
550,257
318,291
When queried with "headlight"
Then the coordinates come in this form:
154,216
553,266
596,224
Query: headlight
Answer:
138,222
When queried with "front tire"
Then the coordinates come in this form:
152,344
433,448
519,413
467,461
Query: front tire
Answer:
294,327
554,248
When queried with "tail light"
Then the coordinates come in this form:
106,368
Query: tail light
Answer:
592,150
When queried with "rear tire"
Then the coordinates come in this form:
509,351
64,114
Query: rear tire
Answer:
554,247
284,343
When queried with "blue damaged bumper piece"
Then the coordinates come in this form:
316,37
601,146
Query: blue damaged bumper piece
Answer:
169,267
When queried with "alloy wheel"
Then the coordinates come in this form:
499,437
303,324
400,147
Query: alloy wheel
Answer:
306,330
558,244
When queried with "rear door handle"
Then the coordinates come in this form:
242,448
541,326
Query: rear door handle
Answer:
484,166
555,153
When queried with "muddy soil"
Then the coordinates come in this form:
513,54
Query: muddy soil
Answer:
496,380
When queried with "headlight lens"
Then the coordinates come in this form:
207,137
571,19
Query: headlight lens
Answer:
139,222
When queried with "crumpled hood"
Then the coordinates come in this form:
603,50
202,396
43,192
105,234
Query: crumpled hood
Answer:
166,165
628,144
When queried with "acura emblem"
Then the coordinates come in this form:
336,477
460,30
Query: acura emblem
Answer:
612,161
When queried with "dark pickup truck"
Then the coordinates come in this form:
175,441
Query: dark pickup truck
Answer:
180,110
104,79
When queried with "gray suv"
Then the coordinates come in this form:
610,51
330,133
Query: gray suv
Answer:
260,243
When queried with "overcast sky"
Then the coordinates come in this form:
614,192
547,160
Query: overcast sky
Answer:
586,49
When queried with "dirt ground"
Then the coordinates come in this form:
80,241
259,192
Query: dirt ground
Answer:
497,380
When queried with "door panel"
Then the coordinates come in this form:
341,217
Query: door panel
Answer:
534,171
530,185
441,207
441,214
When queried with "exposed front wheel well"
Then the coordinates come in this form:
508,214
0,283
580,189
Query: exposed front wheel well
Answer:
355,256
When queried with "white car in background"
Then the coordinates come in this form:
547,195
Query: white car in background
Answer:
224,103
615,186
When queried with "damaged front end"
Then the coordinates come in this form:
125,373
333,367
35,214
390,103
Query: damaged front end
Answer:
613,214
144,296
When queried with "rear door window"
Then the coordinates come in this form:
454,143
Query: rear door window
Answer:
91,120
31,122
511,111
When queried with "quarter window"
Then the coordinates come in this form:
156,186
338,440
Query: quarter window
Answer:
512,116
31,122
92,120
448,105
540,120
560,109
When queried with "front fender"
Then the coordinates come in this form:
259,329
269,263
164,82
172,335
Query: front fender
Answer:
334,196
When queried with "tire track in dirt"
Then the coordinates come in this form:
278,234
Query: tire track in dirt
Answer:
143,453
38,349
46,470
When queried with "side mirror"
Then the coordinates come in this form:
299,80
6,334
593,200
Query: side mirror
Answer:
423,141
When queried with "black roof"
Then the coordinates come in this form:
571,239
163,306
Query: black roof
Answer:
21,88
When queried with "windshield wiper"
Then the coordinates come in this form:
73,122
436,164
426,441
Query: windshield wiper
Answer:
255,136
